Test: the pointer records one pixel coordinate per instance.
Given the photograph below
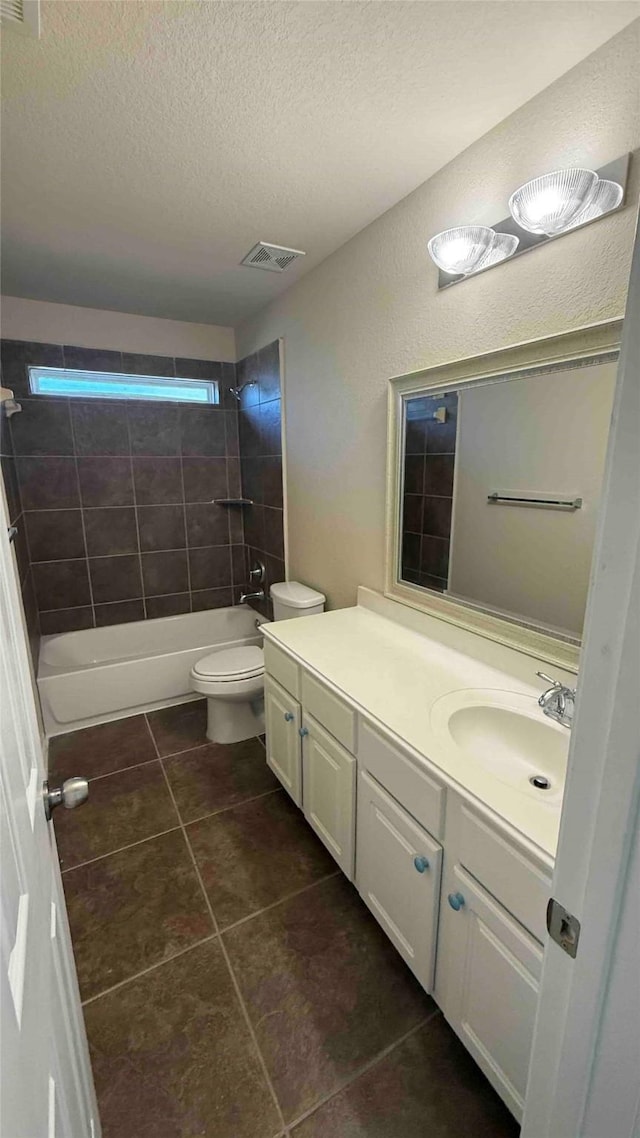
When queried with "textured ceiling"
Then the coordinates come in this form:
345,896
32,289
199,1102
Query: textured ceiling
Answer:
148,145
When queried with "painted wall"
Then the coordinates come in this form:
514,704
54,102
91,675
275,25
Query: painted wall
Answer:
49,323
547,434
372,310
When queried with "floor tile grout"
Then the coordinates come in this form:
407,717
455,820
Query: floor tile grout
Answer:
232,975
379,1058
233,806
123,770
152,968
120,849
218,934
280,901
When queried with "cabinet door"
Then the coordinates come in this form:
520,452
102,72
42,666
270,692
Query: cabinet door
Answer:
282,719
329,792
398,876
492,969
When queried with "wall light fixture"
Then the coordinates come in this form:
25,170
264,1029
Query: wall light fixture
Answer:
552,203
541,210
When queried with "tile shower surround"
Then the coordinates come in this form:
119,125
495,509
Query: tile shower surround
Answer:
261,463
14,509
428,492
113,499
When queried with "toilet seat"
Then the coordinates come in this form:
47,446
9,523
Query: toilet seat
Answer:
230,665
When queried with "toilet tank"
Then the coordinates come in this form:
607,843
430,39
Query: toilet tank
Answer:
291,599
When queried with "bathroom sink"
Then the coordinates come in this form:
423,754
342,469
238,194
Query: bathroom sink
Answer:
507,734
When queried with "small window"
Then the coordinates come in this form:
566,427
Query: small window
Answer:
112,385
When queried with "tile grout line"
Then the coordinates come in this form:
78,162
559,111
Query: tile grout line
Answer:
280,901
151,968
120,849
225,954
120,770
382,1055
234,805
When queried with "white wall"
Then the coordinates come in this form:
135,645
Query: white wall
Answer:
49,323
372,310
548,435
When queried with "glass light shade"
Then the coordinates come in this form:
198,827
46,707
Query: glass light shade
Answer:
607,196
460,250
503,247
551,203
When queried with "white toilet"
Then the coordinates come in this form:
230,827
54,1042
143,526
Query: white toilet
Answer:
233,679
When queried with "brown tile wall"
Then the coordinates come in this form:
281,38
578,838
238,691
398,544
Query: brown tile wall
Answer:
261,464
16,518
428,491
113,499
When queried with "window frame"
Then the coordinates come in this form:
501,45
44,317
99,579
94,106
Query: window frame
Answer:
172,390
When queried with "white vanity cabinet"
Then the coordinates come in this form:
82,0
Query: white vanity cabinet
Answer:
328,795
398,876
458,892
487,985
492,921
307,727
283,722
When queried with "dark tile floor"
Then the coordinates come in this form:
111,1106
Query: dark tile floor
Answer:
234,984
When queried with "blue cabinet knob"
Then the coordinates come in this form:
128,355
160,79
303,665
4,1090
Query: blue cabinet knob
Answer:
288,716
456,900
303,731
421,864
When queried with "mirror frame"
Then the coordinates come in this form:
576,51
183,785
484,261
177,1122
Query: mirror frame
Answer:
525,636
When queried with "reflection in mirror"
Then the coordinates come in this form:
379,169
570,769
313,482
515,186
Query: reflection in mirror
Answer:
539,438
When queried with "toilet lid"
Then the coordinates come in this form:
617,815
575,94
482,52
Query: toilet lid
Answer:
232,664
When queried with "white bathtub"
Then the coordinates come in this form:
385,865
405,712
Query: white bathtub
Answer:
99,674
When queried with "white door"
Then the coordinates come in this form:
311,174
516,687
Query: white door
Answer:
329,783
46,1085
398,876
282,725
575,1077
492,978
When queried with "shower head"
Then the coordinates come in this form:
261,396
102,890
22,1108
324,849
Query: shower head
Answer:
237,391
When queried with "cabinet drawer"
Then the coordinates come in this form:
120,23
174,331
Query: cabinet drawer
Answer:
331,711
283,669
414,789
514,880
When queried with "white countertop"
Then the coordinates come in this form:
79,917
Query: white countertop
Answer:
395,674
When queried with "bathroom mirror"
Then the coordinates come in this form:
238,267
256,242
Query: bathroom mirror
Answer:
495,473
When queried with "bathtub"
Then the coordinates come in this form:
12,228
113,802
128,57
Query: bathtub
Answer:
99,674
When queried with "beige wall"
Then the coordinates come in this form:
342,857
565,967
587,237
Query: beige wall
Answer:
372,310
49,323
543,435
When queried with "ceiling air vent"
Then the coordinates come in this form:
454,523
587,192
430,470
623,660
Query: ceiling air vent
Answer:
22,15
275,258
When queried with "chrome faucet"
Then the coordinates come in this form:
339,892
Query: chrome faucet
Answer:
257,596
558,701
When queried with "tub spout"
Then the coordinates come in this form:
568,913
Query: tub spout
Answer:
257,596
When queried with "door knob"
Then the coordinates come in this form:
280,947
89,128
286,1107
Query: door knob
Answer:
72,793
421,864
288,716
456,900
303,731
